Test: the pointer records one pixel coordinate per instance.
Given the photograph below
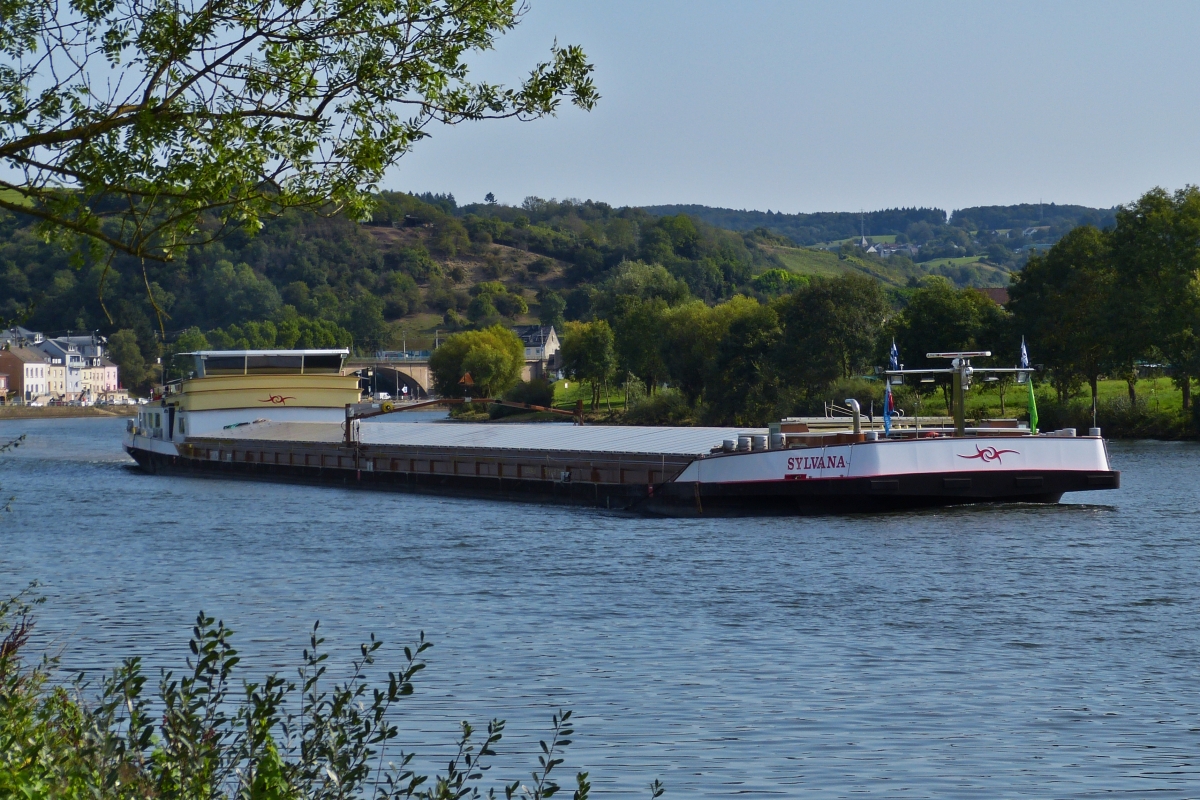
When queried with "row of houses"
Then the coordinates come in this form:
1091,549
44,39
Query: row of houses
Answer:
36,370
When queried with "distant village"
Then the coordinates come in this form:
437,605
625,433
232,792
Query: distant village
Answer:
912,250
67,370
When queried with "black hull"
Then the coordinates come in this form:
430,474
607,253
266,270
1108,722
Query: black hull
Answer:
678,499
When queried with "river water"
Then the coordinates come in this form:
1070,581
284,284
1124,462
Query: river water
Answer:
973,652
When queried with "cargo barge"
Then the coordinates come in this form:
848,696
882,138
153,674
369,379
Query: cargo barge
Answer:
295,416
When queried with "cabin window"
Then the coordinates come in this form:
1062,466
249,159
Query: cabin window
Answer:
225,365
274,364
323,363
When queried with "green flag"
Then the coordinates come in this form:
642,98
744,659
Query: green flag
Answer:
1032,408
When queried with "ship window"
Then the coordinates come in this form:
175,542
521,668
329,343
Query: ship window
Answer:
323,363
225,365
260,365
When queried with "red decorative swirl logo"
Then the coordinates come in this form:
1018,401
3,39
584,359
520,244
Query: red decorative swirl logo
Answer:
277,399
989,454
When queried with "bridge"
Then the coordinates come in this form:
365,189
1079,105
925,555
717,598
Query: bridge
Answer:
392,372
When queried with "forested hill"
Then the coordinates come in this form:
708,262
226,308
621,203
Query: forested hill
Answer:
1031,215
425,265
809,229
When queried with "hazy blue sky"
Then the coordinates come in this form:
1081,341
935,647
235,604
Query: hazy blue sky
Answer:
840,106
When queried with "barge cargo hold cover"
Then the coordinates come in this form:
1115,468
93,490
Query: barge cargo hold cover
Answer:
297,415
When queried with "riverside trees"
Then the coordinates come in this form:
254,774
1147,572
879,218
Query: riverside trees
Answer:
493,357
1101,301
741,361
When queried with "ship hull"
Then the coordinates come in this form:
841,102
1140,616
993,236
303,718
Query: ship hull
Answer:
676,497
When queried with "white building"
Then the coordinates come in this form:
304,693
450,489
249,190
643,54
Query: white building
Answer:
541,350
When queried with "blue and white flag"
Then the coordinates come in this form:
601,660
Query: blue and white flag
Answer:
888,403
1024,354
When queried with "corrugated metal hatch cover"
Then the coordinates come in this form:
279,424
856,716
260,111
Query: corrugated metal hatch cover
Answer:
552,436
559,437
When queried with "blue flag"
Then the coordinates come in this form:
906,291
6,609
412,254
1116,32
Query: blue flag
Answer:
888,403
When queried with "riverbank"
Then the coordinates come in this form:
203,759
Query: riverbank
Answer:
64,412
1156,413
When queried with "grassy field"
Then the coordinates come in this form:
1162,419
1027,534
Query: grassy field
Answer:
567,392
13,196
804,261
953,262
887,238
1159,400
825,263
416,331
1160,395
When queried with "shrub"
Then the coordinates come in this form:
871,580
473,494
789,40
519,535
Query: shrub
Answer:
537,392
775,282
868,393
1116,417
666,407
203,736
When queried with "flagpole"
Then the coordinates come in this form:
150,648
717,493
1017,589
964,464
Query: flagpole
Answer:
1033,414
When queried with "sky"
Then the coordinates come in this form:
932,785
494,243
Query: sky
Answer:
803,107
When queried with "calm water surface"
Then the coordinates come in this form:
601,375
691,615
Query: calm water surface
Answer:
977,652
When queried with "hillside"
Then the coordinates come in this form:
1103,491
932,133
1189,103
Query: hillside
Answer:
1000,236
809,229
424,266
967,271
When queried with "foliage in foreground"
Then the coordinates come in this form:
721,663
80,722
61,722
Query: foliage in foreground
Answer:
235,110
203,736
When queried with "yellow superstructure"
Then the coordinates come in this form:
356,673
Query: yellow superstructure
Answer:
267,391
264,379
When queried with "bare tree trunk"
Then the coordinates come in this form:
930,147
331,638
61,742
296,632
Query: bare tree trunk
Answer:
1003,388
1186,386
1131,385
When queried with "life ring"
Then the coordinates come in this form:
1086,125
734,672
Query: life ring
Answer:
387,406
